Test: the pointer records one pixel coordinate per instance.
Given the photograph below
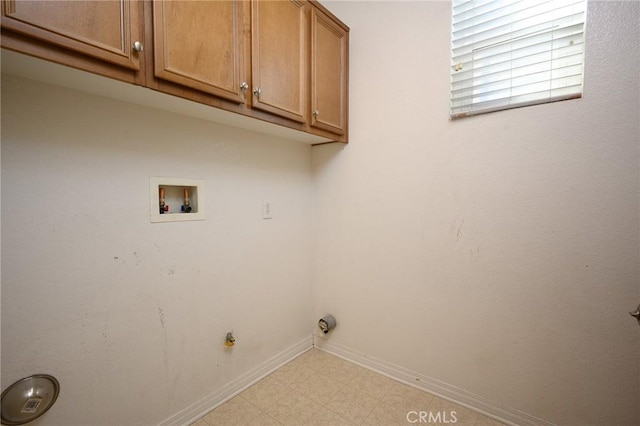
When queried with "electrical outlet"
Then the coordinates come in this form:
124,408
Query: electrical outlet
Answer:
267,209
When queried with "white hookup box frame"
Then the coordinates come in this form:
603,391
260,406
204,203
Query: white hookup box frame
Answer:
176,191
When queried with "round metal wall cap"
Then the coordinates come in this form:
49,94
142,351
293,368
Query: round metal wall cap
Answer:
29,398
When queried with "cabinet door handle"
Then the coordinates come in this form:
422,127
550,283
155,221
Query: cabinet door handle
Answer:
137,46
315,113
257,91
244,85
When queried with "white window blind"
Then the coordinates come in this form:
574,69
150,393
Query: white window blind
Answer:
512,53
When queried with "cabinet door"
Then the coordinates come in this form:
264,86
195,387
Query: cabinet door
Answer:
198,44
279,61
104,30
329,74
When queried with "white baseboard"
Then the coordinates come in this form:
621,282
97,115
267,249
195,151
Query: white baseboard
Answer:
231,389
436,387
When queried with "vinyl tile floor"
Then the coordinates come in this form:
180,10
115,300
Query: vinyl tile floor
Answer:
318,388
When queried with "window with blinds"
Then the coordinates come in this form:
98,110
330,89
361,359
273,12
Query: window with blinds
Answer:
513,53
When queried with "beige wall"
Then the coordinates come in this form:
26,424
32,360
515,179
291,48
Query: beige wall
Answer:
131,316
500,253
497,254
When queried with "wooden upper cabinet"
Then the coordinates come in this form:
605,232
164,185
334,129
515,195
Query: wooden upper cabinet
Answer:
104,30
199,44
329,73
279,37
280,61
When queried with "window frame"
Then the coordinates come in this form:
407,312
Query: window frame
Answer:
513,53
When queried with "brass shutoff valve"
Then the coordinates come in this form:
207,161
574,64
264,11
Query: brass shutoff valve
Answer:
230,340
